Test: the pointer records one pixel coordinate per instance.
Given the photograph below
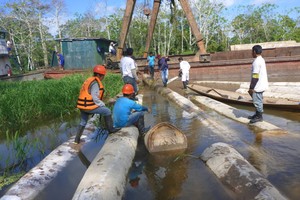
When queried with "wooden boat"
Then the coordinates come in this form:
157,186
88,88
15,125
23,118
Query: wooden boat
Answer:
245,99
165,137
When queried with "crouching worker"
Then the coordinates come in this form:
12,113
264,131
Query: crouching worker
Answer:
127,112
90,102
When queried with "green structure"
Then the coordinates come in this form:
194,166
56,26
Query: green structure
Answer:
83,53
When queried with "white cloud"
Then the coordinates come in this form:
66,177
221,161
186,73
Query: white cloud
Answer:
227,3
108,8
259,2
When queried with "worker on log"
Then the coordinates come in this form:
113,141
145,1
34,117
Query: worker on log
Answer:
259,83
184,72
127,112
164,68
90,102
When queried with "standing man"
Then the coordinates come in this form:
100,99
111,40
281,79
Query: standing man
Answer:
90,102
151,63
185,71
259,83
61,60
127,112
129,70
164,69
112,49
9,46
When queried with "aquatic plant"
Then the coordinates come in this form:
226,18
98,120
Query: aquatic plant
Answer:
19,144
9,178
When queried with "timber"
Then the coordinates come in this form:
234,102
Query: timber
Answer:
245,99
165,137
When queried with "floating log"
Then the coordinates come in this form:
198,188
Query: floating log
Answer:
165,137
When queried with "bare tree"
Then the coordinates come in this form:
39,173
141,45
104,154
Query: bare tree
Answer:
42,9
207,15
59,11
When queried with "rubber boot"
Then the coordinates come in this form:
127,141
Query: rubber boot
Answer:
109,124
184,84
141,126
80,130
252,116
257,118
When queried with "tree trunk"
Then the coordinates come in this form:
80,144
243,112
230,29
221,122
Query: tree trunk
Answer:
43,42
16,50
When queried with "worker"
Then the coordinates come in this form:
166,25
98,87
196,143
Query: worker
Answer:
61,60
129,70
151,63
258,84
112,49
164,68
127,112
185,71
90,102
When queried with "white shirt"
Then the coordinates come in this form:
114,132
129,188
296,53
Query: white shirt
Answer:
185,66
259,67
111,48
9,43
127,64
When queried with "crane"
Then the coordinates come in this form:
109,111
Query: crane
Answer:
156,4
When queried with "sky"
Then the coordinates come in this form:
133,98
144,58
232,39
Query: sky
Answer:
100,8
97,7
80,6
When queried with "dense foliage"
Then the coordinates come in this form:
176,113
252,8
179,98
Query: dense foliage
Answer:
29,24
22,103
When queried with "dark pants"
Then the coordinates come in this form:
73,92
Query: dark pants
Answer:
132,81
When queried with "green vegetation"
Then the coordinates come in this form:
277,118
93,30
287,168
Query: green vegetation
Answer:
6,180
23,103
220,27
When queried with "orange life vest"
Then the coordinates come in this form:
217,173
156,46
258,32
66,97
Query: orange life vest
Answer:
85,99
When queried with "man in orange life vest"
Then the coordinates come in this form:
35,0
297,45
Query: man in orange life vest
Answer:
90,102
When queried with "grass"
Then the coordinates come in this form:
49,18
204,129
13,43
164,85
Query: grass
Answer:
22,103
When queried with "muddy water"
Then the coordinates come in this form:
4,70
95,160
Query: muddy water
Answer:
185,176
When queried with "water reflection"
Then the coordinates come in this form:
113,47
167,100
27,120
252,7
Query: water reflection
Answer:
84,159
166,175
134,173
255,158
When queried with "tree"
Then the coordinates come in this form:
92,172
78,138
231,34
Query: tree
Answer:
58,10
262,24
207,15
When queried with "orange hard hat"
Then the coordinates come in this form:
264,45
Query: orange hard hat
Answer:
100,69
127,89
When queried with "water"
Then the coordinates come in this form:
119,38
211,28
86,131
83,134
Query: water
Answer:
185,176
